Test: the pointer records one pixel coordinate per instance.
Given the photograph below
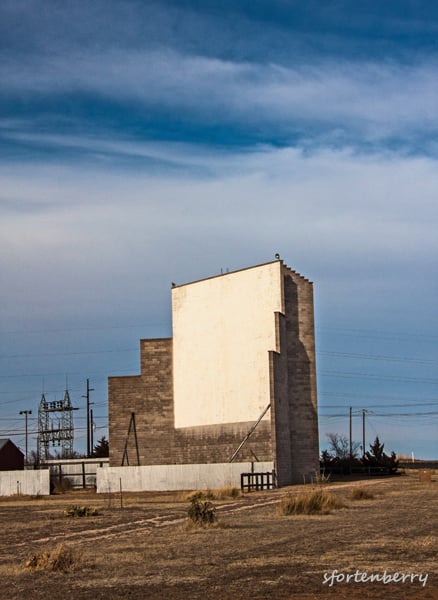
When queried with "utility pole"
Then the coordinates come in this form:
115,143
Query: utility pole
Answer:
26,413
351,433
91,430
87,396
364,411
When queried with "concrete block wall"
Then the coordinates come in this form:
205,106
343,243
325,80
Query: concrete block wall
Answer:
217,443
301,376
150,397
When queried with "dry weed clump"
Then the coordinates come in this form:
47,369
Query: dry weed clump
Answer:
359,493
224,492
80,511
310,503
322,479
62,558
61,485
202,514
216,494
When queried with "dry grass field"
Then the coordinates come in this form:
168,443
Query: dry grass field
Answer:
147,550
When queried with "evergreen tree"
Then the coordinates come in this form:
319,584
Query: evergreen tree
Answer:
376,457
101,449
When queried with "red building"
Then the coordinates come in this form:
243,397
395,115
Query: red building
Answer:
11,457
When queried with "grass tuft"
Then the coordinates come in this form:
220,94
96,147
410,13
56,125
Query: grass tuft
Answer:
310,503
62,559
360,494
322,478
216,494
224,492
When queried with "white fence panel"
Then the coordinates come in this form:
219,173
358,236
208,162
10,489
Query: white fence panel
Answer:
26,483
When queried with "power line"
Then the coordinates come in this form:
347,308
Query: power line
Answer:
405,405
59,374
362,395
329,373
378,357
58,391
374,414
354,375
93,328
364,356
410,414
349,331
83,352
372,333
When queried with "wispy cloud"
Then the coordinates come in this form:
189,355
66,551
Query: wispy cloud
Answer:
360,101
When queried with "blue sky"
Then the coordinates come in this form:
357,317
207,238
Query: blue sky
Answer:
148,142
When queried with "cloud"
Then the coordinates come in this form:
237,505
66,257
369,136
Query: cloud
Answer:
177,154
291,75
354,224
348,101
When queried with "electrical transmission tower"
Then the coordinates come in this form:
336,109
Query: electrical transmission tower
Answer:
55,426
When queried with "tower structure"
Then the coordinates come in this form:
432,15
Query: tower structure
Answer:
55,426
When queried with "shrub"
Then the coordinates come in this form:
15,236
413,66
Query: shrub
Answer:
80,511
62,485
202,513
361,494
62,558
314,502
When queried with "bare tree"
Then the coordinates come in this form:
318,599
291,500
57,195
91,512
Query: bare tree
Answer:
340,446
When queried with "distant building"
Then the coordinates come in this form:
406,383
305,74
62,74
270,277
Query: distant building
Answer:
243,349
11,457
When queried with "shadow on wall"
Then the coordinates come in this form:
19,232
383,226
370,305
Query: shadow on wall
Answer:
303,419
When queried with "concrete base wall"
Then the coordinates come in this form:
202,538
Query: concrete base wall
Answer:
175,477
26,483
